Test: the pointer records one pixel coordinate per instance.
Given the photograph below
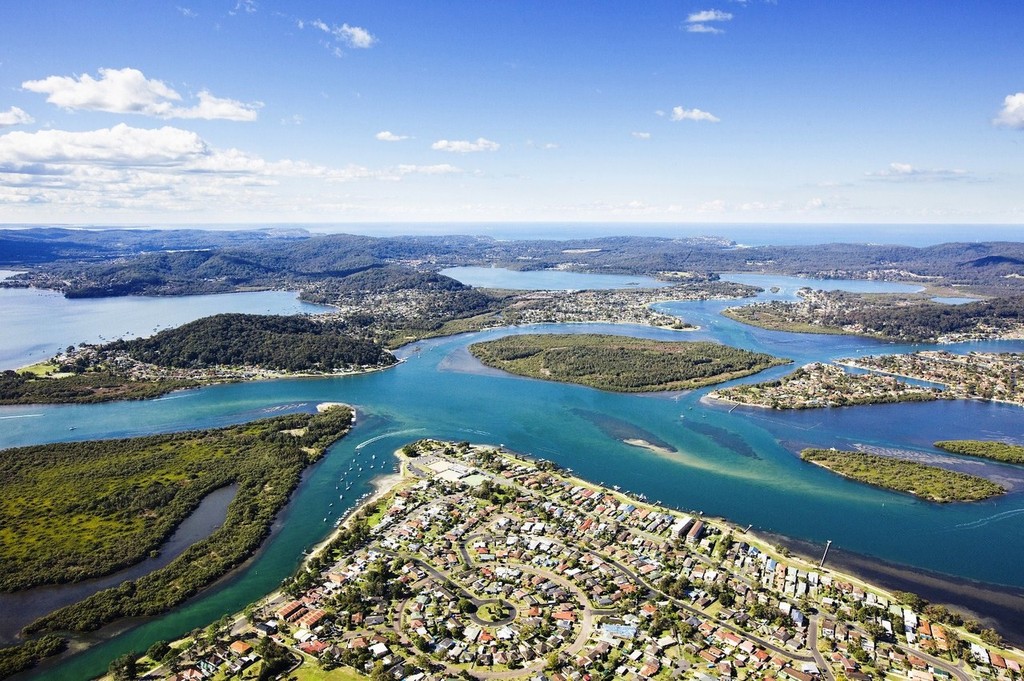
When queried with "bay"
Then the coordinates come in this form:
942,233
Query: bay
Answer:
38,324
546,280
739,464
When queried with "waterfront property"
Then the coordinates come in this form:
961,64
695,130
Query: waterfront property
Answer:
481,563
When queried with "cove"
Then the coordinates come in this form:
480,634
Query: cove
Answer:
739,465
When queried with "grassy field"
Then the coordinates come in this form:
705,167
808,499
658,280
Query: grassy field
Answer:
928,482
621,363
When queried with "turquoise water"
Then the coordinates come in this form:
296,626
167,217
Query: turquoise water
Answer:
737,464
546,280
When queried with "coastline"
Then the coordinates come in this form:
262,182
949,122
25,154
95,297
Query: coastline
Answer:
993,605
713,398
383,485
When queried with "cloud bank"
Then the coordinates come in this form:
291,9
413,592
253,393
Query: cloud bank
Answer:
128,91
465,146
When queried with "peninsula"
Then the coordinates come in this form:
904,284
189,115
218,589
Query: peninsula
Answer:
620,363
974,375
912,318
928,482
484,564
70,511
819,384
221,348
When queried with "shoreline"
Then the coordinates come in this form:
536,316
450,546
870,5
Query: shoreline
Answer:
644,444
995,605
712,399
992,605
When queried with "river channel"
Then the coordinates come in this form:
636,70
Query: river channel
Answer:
739,464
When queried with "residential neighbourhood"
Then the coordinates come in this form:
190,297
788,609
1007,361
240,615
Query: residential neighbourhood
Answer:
481,563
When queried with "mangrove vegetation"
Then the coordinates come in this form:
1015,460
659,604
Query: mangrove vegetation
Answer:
928,482
69,511
620,363
985,449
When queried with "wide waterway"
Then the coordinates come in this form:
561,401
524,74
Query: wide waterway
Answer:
739,463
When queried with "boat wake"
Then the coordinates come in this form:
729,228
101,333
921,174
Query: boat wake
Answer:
991,519
385,435
282,407
171,397
19,416
475,432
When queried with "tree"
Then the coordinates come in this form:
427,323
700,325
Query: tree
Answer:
124,668
911,600
992,637
158,650
875,630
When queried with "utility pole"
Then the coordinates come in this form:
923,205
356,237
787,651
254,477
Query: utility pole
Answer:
827,545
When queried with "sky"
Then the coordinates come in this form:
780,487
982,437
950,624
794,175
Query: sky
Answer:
258,112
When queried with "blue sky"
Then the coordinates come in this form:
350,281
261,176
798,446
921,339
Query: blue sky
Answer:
696,112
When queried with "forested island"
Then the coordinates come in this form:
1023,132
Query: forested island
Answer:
888,316
985,449
928,482
620,363
223,347
69,511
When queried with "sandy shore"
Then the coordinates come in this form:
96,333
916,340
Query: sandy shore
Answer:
713,398
644,444
1000,607
382,486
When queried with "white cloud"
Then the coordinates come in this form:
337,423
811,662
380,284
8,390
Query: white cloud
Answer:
437,169
247,6
355,37
681,114
218,108
1012,113
714,206
128,90
119,145
388,136
641,135
702,28
906,172
124,168
14,116
187,12
697,22
708,15
465,146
